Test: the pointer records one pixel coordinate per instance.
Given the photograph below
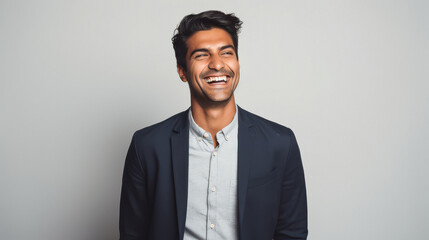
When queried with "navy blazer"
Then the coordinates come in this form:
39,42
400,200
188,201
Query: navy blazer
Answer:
271,188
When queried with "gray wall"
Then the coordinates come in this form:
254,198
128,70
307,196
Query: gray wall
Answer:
77,78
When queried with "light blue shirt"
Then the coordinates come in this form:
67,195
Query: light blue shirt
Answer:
212,183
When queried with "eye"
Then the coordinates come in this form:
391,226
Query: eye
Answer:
228,53
201,55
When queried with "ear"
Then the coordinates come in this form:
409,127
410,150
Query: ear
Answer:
182,73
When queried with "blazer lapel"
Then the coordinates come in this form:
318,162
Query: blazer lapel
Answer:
245,148
179,152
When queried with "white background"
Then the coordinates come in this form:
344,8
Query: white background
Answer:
77,78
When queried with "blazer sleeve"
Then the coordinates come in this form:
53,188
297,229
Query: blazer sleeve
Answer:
292,219
133,216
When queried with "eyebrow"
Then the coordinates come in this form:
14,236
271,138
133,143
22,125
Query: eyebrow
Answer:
206,50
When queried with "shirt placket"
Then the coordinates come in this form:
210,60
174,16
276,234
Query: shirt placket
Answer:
212,194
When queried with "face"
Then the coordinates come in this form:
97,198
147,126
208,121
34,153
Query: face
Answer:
212,70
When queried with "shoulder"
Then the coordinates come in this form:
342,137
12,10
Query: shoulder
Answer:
265,126
162,129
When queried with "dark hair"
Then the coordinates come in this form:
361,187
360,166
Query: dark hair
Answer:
203,21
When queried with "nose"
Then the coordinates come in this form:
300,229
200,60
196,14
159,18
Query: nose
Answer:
216,63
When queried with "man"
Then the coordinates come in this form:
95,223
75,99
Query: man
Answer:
214,171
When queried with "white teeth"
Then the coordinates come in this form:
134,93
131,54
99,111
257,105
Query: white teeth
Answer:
216,79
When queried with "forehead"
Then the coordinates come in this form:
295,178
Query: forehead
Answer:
213,38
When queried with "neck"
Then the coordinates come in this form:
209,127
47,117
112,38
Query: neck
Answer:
213,117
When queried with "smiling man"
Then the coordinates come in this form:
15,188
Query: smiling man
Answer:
214,171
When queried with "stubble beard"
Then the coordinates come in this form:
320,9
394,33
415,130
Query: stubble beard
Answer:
205,100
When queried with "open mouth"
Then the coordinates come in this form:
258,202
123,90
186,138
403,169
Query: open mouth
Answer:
216,79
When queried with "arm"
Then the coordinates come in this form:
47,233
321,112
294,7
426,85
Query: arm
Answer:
292,219
133,217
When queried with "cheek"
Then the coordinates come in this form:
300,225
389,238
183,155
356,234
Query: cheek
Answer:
195,70
234,66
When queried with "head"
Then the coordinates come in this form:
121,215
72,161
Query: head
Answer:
206,46
207,20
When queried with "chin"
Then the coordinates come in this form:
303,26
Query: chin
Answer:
220,99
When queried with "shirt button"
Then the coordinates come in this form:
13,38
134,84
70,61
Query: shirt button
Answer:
227,137
213,189
212,226
206,135
214,153
199,138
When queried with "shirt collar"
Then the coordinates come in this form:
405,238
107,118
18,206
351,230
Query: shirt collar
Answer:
226,132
